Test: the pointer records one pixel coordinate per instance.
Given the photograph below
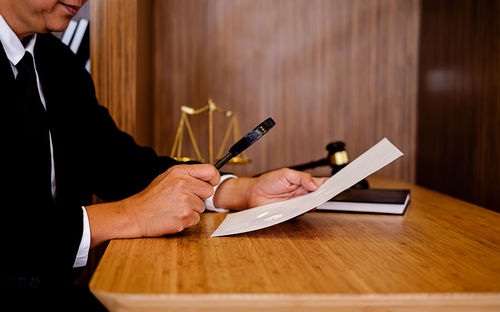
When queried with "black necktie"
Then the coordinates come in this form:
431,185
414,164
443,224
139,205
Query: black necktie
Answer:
36,145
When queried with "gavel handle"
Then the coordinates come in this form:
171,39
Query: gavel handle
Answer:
363,184
312,164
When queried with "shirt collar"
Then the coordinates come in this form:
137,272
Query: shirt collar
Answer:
13,47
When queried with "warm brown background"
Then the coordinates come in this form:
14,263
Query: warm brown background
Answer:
459,100
121,63
324,70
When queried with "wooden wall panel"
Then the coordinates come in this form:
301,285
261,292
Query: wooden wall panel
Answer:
459,100
120,53
324,70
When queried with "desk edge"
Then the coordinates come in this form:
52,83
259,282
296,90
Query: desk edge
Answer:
292,302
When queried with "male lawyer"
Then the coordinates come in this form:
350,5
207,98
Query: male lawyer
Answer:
59,147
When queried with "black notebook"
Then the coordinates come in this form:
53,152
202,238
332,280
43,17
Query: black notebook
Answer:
369,201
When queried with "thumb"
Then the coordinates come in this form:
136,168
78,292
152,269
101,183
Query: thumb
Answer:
205,172
319,181
301,178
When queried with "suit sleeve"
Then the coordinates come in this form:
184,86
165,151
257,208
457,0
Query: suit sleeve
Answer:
117,166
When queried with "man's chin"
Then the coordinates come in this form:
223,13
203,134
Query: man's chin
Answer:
58,25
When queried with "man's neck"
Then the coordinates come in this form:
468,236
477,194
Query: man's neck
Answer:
15,23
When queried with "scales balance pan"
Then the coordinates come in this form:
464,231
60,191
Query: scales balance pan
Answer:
233,127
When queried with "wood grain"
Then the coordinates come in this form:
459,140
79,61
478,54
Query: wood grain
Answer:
442,255
120,50
459,100
324,70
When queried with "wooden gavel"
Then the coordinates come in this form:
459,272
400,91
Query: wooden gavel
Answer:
337,159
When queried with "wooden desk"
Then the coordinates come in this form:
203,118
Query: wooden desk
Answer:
442,255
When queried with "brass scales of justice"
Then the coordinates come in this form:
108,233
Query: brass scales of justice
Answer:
233,127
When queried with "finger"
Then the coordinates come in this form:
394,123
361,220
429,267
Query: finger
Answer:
205,172
197,187
299,192
191,202
189,214
319,181
301,178
193,220
198,206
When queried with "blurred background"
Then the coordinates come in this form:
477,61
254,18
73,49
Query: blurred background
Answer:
423,73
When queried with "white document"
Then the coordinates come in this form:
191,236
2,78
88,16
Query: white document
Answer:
261,217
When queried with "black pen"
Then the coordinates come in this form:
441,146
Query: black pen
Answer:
246,141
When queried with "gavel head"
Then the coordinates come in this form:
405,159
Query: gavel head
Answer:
337,156
338,159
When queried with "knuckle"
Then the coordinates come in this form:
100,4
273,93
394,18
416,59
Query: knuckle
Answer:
177,169
180,183
171,169
183,198
186,212
285,171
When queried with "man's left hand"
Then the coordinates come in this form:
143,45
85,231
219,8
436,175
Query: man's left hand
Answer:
274,186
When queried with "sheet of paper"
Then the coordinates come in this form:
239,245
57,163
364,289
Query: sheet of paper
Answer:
377,157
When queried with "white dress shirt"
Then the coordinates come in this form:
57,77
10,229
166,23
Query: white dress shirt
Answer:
15,51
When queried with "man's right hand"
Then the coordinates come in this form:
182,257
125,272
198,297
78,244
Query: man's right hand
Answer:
171,203
174,200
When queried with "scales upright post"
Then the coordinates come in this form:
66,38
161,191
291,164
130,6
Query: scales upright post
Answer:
233,127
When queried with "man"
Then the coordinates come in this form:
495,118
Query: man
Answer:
60,147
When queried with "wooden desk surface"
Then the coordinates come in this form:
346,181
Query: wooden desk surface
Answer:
442,255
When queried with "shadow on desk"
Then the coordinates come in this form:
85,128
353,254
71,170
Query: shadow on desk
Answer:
321,225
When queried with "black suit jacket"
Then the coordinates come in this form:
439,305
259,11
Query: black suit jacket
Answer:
40,237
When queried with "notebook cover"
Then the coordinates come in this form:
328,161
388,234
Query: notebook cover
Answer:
379,196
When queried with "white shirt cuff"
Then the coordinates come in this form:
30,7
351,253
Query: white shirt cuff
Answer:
209,202
83,250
